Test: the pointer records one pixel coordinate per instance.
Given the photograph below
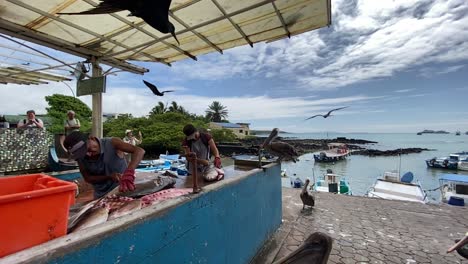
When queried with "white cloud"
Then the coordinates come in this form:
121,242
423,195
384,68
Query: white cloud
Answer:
371,40
139,102
404,90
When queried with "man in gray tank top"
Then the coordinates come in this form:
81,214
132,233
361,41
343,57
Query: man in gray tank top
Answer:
102,163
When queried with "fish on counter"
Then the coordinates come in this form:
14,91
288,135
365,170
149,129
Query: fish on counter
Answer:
94,217
151,186
127,208
163,195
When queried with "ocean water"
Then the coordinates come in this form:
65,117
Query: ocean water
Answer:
362,171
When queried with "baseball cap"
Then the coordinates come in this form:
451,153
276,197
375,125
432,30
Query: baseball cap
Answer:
189,130
30,111
76,145
127,131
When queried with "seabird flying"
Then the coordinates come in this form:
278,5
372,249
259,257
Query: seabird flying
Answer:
327,114
155,90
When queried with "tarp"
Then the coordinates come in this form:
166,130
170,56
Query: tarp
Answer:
454,177
202,26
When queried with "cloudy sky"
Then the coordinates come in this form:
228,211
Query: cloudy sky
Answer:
400,66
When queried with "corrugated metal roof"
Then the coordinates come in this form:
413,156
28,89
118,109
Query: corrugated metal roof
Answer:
228,125
202,26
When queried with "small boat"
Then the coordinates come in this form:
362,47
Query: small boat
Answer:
392,187
450,162
252,160
458,133
454,189
463,164
333,183
419,133
335,152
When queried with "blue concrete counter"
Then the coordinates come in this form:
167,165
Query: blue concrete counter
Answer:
226,223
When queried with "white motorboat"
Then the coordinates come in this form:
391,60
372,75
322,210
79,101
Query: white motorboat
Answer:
333,183
454,188
393,187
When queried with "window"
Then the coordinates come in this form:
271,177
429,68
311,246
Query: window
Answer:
240,131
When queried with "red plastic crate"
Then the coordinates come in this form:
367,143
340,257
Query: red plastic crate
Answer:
33,209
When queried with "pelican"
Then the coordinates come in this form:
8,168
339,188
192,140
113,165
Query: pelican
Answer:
315,249
280,149
306,197
461,247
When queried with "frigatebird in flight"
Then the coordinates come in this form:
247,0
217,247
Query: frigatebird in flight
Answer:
155,90
327,114
153,12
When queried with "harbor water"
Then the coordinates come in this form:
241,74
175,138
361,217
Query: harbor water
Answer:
362,171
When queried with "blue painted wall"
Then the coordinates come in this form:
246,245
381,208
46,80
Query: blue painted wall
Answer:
227,225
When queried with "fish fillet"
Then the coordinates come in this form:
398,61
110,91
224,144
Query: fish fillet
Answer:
125,209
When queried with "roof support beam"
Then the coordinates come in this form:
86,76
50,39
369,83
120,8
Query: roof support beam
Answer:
40,38
240,11
232,22
278,13
207,41
56,18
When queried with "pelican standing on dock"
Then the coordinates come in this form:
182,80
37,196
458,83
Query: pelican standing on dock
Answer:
280,149
306,197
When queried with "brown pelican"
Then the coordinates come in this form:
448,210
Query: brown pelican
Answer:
327,114
315,249
306,197
280,149
461,247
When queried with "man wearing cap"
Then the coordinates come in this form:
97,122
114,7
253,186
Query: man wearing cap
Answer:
102,163
202,144
31,121
71,123
132,140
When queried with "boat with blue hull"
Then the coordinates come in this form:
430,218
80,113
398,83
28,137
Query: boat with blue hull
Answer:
450,162
335,152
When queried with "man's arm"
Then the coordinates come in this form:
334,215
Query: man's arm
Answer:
136,152
96,178
38,123
21,124
213,148
77,124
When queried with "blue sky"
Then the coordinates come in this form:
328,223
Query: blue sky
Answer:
400,66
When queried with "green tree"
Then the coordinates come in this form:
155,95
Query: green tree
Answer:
57,112
216,112
223,135
159,109
174,107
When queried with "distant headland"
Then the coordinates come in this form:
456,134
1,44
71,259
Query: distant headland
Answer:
426,131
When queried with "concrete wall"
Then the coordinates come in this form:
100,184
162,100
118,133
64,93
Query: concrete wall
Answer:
226,223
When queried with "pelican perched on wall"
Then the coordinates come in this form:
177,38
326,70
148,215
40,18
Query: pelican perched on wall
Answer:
280,149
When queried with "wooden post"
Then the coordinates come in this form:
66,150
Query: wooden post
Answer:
96,129
196,188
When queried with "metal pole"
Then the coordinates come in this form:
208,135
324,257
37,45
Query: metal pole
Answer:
69,87
97,102
196,188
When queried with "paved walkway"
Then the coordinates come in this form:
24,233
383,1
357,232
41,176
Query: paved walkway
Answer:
366,230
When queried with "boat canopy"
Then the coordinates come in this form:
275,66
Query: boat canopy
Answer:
454,177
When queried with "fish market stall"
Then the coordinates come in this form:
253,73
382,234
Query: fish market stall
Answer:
227,222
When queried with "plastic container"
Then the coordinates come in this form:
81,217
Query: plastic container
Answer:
457,201
33,209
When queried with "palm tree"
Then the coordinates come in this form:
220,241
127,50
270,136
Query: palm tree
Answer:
159,109
216,112
174,107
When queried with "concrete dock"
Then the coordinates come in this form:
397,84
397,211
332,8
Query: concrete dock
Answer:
368,230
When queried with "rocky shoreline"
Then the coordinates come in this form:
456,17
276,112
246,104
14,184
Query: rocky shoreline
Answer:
250,146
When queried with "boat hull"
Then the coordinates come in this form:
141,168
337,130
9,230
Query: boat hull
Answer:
442,164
